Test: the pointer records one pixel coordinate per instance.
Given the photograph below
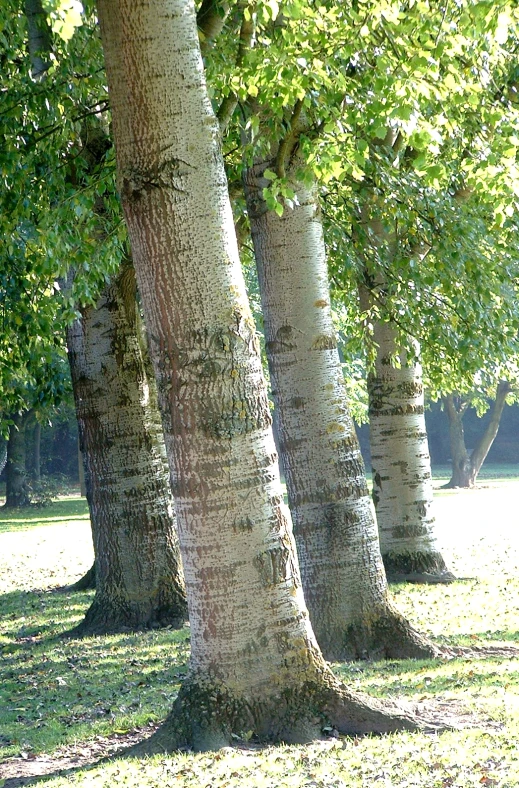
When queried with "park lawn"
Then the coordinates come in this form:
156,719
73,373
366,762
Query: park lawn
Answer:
66,697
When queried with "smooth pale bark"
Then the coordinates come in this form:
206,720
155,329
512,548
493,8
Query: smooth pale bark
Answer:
465,466
255,664
17,491
139,581
335,530
401,465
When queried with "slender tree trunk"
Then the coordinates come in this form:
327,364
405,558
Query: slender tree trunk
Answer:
461,469
334,524
139,581
465,467
402,481
81,471
255,664
33,461
39,38
3,456
17,488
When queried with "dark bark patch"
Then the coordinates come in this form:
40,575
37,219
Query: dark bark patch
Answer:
418,567
325,342
272,565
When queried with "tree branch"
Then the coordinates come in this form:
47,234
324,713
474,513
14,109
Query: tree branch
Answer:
210,21
289,142
247,28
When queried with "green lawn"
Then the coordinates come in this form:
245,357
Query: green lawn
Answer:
66,697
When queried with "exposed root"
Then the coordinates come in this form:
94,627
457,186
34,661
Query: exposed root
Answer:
387,635
208,717
353,714
425,578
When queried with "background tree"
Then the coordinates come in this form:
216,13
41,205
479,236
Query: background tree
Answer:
465,465
139,580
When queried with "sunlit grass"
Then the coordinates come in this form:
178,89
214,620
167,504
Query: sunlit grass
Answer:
63,511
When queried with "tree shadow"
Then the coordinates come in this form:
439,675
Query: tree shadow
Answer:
54,691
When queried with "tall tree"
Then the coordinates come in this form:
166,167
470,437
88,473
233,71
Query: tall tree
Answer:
255,664
401,464
138,573
138,576
334,525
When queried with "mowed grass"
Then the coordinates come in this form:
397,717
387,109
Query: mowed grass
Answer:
60,695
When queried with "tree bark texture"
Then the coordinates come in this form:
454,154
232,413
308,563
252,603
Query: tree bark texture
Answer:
17,490
336,534
139,580
254,658
402,481
465,466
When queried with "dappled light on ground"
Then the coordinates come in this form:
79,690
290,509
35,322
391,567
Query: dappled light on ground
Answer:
67,703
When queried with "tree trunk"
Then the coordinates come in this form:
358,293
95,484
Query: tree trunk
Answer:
465,467
33,462
85,583
402,481
3,455
139,581
17,491
81,471
255,664
335,530
461,468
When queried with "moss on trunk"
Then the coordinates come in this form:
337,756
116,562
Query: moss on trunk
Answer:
207,716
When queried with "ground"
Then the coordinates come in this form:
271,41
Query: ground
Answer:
67,705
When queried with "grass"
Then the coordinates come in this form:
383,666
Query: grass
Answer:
57,695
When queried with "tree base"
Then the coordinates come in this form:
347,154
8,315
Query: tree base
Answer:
460,484
85,583
206,716
417,568
105,618
386,635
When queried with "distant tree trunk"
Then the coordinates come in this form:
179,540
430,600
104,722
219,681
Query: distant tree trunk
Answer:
401,465
17,491
334,525
81,471
3,456
33,445
465,467
139,581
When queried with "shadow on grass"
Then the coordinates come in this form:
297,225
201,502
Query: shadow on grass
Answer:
493,668
54,691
